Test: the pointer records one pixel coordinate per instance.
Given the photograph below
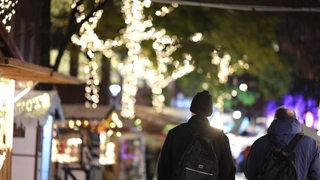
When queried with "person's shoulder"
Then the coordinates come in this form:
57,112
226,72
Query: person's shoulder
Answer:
217,134
217,130
178,128
261,140
306,139
213,131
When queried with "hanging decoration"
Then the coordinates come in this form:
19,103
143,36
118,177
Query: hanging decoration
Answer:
7,11
90,43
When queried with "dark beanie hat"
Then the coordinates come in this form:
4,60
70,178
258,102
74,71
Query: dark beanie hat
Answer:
202,104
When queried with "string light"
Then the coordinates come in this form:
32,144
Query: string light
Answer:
225,69
132,36
137,65
90,43
7,11
158,78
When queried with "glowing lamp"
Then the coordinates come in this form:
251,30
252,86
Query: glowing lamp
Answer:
114,89
309,119
236,114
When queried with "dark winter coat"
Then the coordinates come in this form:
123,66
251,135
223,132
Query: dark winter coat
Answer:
306,151
180,137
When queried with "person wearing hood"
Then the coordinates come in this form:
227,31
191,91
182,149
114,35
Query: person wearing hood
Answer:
180,137
284,127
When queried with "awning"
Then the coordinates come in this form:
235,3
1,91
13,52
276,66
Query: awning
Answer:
16,69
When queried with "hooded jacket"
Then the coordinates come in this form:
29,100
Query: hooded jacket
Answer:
180,137
307,156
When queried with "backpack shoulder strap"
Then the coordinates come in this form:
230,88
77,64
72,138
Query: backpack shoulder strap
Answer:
293,142
289,148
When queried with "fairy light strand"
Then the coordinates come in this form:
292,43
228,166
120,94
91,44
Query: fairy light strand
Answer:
225,69
7,11
137,65
89,43
158,78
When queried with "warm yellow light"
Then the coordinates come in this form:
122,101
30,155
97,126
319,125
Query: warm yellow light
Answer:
86,123
137,65
78,123
197,37
5,6
118,134
112,125
71,124
116,120
234,93
137,122
74,141
109,132
110,156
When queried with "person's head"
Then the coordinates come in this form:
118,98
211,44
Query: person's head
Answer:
284,113
202,104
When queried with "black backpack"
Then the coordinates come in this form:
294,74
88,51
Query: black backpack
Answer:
280,163
199,161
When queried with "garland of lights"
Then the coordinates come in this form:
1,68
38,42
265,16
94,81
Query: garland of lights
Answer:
137,65
7,11
92,82
90,43
225,70
133,68
159,78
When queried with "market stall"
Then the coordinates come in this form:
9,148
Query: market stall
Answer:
17,79
13,73
34,115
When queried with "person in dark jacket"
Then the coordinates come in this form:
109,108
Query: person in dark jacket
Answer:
285,126
180,137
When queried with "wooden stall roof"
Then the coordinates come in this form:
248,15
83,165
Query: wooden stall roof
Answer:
13,68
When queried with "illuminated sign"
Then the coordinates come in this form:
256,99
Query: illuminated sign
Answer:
41,102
